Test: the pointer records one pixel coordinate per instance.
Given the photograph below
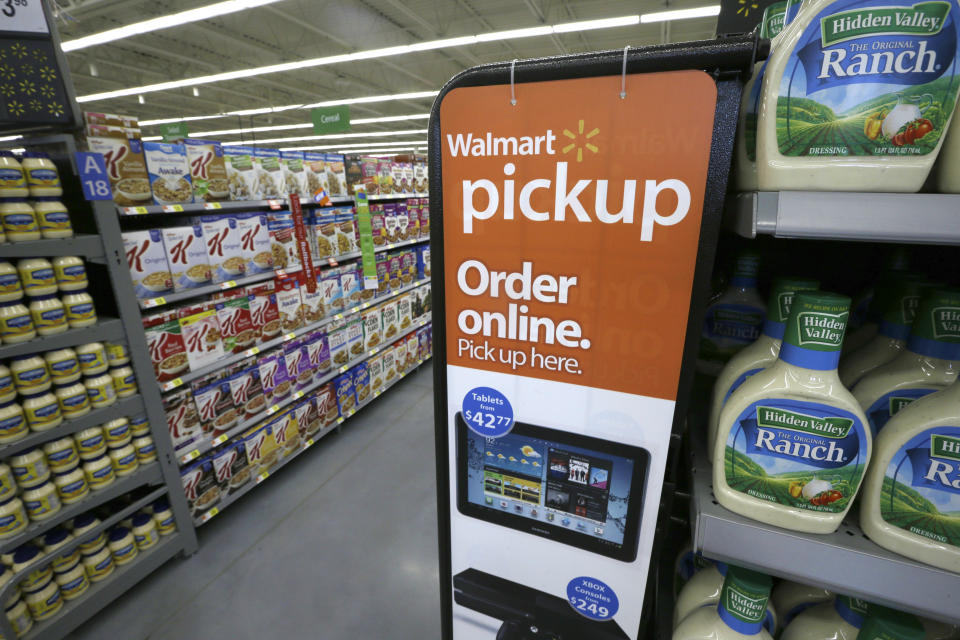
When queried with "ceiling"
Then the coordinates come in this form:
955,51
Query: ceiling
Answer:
299,29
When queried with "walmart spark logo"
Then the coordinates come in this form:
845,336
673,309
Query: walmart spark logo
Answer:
746,6
580,146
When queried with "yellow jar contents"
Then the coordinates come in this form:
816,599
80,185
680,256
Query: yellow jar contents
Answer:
44,603
30,374
13,424
71,485
81,525
8,392
163,516
56,539
61,454
42,502
99,565
26,557
72,582
49,315
10,288
5,576
13,518
124,381
79,308
63,365
100,391
19,220
30,468
91,443
99,473
13,184
36,276
139,426
53,218
145,448
8,486
15,323
117,432
19,617
70,273
73,400
117,354
42,411
124,460
43,180
93,358
145,531
122,545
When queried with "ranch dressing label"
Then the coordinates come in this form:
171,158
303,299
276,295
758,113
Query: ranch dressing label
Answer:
870,78
889,404
733,322
797,453
921,490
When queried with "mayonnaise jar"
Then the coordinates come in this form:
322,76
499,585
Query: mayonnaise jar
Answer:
70,273
16,326
13,424
42,502
19,220
79,309
100,390
55,539
61,454
117,432
44,603
122,545
163,516
8,391
117,354
49,315
42,411
124,381
13,517
139,426
99,473
30,374
73,400
124,460
93,358
8,485
90,443
53,218
145,531
72,582
71,485
13,184
10,287
29,468
63,366
83,523
99,565
26,556
43,180
36,276
19,617
5,575
145,448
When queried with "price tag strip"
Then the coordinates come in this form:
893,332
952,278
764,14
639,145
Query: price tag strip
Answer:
212,205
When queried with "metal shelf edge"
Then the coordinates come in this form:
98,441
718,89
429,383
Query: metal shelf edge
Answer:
87,245
105,329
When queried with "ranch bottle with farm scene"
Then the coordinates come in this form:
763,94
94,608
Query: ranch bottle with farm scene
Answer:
928,363
911,496
840,619
792,442
704,589
762,353
858,96
733,319
739,613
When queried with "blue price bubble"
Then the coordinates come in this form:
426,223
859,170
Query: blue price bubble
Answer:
592,598
487,412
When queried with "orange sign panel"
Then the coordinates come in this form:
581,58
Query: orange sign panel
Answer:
571,223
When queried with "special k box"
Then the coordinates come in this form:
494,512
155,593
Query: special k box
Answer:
201,336
255,242
224,247
187,257
165,345
264,313
147,259
126,168
208,171
236,325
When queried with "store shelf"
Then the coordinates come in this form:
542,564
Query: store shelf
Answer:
845,561
170,298
397,196
220,207
145,474
230,499
270,344
207,445
105,329
123,407
920,218
86,245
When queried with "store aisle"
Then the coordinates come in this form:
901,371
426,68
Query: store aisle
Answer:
339,544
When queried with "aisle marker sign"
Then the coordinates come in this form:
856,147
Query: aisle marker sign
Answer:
571,225
93,176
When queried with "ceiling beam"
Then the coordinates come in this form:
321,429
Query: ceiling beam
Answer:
539,15
431,31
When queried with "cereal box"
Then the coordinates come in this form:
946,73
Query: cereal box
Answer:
183,423
354,172
224,248
208,400
403,222
408,267
240,469
298,364
165,344
269,184
336,175
223,460
389,365
350,286
375,370
325,400
424,207
148,264
208,171
286,253
110,119
331,291
389,320
246,391
423,339
370,180
378,231
308,421
394,270
423,262
384,177
264,313
126,169
272,368
169,172
390,221
261,449
294,175
422,303
346,235
383,274
289,304
420,175
313,309
407,179
187,257
318,353
372,328
236,324
325,232
286,432
316,175
241,174
346,396
405,311
355,338
201,336
255,242
339,349
413,348
361,382
200,486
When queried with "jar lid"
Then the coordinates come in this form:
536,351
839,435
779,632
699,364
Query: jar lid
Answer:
46,198
162,504
46,296
76,291
35,154
22,358
25,554
26,451
65,473
4,405
102,456
118,533
6,200
141,519
83,520
11,303
5,153
55,536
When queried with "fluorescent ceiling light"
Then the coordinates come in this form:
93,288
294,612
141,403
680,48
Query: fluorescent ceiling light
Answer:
681,14
147,123
303,125
9,138
332,136
384,52
163,22
355,145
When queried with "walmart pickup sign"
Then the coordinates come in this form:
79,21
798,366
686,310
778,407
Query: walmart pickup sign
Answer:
331,119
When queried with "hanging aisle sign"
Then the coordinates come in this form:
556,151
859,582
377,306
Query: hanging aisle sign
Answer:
570,243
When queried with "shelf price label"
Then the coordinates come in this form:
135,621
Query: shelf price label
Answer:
263,476
135,211
212,205
220,439
275,204
173,384
209,514
154,302
229,284
252,351
272,410
298,395
190,456
172,208
289,336
308,444
332,262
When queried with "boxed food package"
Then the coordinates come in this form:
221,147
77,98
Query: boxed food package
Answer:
318,352
264,313
325,233
339,349
294,359
372,328
420,175
110,120
201,335
394,270
231,467
240,470
269,185
165,344
405,311
424,207
113,131
422,303
236,324
255,244
378,231
423,262
289,304
412,343
273,372
346,397
390,221
403,222
126,168
228,416
208,171
286,432
261,449
148,264
325,400
246,391
224,247
183,423
375,370
384,177
354,173
396,176
335,166
308,421
211,407
205,381
423,339
241,174
361,382
169,173
313,309
355,338
389,365
407,170
370,181
346,232
294,175
383,274
316,175
350,286
187,257
283,241
331,291
408,267
389,320
200,486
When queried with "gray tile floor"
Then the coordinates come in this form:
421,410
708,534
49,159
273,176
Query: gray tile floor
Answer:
339,544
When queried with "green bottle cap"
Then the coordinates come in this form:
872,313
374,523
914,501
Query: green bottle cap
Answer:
818,321
744,596
782,293
900,298
886,624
